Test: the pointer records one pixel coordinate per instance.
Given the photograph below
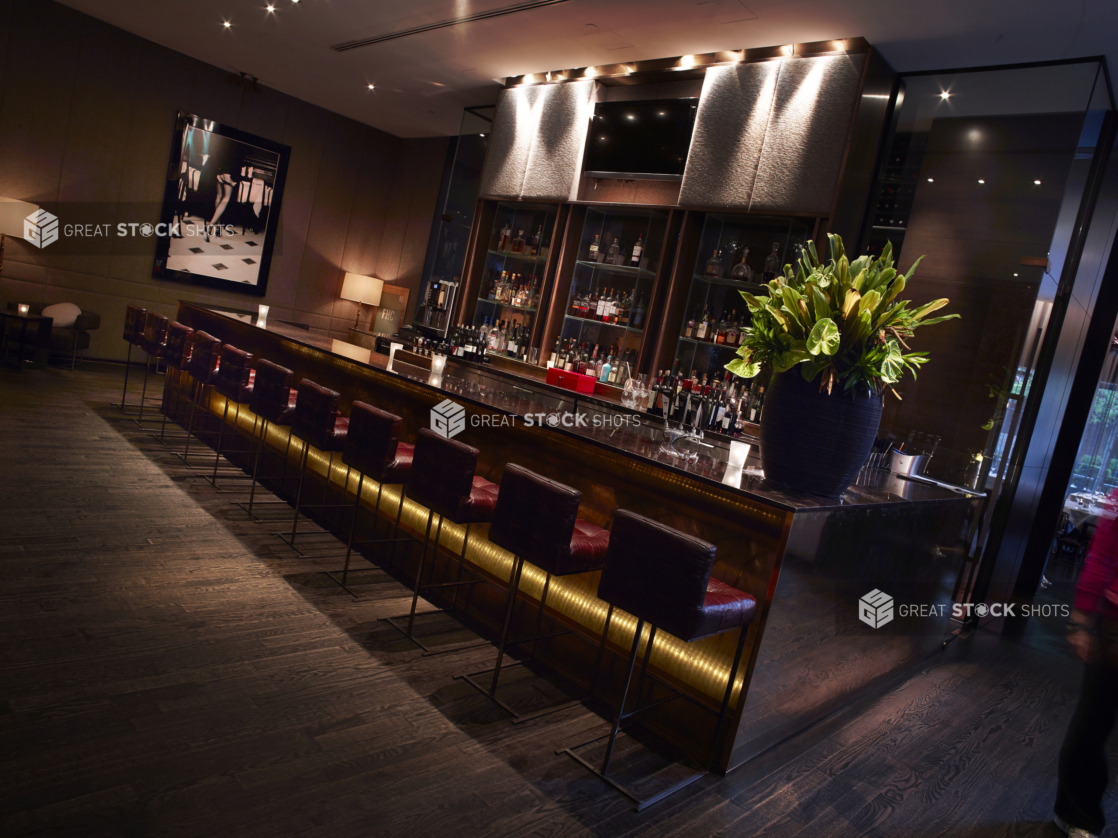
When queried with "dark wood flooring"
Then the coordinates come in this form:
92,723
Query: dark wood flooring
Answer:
171,668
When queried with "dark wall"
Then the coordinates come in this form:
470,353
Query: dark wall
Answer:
86,114
975,237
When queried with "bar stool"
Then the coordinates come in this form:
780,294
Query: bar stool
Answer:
317,423
134,319
536,519
180,341
235,382
373,448
273,403
205,356
443,478
154,343
662,577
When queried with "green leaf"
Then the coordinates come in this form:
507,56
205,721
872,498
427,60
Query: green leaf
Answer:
928,308
931,321
850,304
912,270
750,300
825,337
743,368
869,302
782,319
892,365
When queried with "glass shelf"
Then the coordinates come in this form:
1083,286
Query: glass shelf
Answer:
507,271
625,326
726,241
625,269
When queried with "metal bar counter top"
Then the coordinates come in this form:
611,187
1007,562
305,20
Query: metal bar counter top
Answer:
807,560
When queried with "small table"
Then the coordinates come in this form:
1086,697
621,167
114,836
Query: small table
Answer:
35,326
1088,516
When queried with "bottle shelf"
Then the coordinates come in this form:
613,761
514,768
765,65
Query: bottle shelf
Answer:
607,325
708,343
504,305
621,269
730,282
518,256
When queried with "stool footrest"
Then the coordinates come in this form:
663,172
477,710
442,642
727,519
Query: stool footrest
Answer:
640,804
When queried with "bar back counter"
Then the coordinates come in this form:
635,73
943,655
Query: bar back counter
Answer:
807,560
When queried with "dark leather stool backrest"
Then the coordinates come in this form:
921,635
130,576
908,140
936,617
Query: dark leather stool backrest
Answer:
370,445
535,517
155,333
134,320
233,371
204,357
180,339
271,391
316,412
442,473
657,574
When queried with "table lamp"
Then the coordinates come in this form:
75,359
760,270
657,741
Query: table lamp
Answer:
12,215
362,290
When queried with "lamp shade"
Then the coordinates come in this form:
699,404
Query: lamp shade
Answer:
362,289
12,214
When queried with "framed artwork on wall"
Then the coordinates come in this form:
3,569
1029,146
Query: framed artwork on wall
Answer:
221,207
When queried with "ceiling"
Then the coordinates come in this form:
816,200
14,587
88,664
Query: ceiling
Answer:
423,81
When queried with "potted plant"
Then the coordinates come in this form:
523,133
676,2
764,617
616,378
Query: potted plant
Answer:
845,328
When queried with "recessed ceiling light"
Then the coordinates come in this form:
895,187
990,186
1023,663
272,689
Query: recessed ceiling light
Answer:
1037,182
663,113
945,94
633,117
226,24
1015,274
980,180
372,87
271,8
930,180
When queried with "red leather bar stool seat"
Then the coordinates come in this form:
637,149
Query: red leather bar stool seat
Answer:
234,381
317,423
662,577
272,401
444,479
153,341
205,357
373,448
134,319
536,519
176,354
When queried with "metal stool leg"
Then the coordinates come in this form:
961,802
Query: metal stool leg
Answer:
514,586
396,529
144,392
624,696
127,367
601,652
220,441
726,697
353,523
419,572
299,490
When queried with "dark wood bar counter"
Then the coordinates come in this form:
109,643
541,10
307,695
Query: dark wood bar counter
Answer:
807,560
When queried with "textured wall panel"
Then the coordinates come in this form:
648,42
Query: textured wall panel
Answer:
729,134
555,161
535,148
802,157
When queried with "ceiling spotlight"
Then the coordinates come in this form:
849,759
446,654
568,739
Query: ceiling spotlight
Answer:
1015,274
945,94
271,8
1037,182
226,24
663,113
633,117
930,180
980,180
372,87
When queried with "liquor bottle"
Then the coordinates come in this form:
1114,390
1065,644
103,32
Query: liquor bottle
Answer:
720,333
614,255
503,239
756,405
733,332
554,353
599,307
636,318
607,368
584,361
518,243
689,329
568,359
610,313
772,263
511,347
624,311
703,326
534,244
534,293
714,265
594,255
653,403
742,270
638,248
616,373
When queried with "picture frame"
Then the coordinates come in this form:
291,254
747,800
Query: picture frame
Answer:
221,207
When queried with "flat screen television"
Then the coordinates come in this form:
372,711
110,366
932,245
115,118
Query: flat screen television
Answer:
644,139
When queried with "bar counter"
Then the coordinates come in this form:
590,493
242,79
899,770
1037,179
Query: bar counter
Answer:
806,559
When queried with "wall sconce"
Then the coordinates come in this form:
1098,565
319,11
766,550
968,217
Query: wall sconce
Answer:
262,317
364,290
23,309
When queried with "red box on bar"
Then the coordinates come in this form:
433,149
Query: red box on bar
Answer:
571,380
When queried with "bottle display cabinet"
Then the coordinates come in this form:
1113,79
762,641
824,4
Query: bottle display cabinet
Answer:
512,285
618,255
736,253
